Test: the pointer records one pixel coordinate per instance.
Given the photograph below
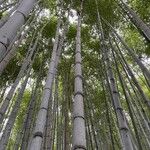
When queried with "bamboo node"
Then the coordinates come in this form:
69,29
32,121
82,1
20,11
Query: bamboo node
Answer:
78,117
79,147
39,133
22,14
79,93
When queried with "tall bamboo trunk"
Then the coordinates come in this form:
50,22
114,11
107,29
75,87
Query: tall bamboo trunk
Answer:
41,118
134,56
137,103
57,49
10,94
13,115
47,140
9,30
123,127
90,114
130,50
137,21
126,69
124,131
79,131
58,124
53,138
109,122
145,98
66,111
90,146
18,34
127,100
30,115
11,50
35,112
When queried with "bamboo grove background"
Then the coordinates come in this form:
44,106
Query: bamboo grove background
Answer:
74,75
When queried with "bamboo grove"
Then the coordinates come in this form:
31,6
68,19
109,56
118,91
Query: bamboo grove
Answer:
74,75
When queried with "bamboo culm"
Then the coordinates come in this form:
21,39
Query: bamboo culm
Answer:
9,29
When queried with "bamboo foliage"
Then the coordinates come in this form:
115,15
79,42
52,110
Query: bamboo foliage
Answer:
136,20
74,75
